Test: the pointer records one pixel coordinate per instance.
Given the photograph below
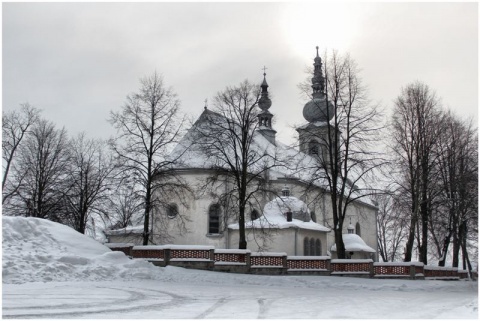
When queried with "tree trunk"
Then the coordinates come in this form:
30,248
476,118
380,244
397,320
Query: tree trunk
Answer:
340,245
457,245
242,242
410,240
446,244
146,229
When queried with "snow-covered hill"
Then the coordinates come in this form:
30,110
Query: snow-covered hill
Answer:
37,250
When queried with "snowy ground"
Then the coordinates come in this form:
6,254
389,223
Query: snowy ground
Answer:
50,271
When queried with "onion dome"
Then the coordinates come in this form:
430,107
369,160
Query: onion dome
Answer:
264,102
318,109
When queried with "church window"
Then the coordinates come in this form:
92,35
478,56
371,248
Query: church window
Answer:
318,247
357,229
172,210
214,219
312,247
313,147
285,191
306,247
254,215
313,216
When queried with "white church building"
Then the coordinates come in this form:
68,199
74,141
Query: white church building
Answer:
293,217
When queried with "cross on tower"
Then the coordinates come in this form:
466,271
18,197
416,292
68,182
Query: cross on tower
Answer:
206,99
264,68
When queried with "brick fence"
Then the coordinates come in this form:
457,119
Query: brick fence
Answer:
244,261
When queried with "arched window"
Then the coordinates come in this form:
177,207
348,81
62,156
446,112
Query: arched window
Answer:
254,215
318,247
214,219
172,210
357,229
306,247
313,147
312,247
313,216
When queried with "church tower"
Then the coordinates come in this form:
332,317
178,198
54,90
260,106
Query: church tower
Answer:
265,117
317,112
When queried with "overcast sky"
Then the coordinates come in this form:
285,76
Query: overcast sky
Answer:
78,61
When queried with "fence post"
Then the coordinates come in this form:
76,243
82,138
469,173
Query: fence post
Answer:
412,272
166,256
212,255
327,265
247,260
372,270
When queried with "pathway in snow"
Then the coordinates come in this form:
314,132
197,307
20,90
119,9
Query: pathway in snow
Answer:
168,300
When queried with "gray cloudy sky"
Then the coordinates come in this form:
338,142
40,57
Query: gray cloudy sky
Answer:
78,61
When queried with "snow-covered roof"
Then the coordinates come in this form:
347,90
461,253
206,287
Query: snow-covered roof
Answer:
315,124
354,243
290,163
190,155
274,216
138,229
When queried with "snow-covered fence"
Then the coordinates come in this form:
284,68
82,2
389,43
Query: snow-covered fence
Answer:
232,256
462,274
243,261
121,247
157,254
440,272
411,270
189,256
231,260
201,257
268,263
352,267
308,264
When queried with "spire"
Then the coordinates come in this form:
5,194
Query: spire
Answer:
264,102
318,81
265,117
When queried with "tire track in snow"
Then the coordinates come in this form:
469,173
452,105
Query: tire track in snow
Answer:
263,305
217,304
135,297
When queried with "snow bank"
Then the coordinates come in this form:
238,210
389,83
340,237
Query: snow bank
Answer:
38,250
353,243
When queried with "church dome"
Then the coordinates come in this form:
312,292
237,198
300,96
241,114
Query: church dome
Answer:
317,109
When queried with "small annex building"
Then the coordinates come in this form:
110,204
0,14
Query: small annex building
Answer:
290,218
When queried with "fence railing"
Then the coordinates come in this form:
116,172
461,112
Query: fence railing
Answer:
244,261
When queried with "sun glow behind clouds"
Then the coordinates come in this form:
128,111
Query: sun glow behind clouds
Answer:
328,25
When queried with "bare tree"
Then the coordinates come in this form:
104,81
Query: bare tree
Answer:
227,136
42,164
15,125
343,131
89,179
390,226
148,126
457,164
415,132
125,206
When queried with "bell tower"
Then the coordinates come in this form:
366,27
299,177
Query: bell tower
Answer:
317,112
265,117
